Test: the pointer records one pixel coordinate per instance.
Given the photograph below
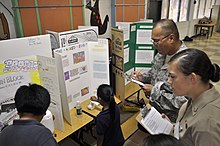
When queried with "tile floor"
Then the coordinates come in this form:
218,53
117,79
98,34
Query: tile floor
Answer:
212,47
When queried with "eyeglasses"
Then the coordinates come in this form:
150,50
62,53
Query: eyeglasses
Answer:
157,41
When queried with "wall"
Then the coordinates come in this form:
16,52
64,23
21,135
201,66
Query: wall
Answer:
38,16
186,28
130,10
217,2
183,28
9,16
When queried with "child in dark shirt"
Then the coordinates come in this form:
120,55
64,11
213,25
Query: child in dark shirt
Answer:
108,127
31,103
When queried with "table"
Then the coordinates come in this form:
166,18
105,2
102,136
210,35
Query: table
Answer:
209,26
89,115
97,109
129,126
77,123
131,89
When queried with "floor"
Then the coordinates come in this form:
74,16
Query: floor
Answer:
212,47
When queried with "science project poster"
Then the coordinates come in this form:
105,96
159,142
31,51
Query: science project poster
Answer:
23,71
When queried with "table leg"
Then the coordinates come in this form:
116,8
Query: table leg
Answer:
196,29
200,31
212,30
208,32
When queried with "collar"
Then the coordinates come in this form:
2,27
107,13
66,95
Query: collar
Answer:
26,122
204,99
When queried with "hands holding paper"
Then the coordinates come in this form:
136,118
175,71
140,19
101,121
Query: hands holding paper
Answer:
138,76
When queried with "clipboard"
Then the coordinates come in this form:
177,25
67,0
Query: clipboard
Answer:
133,80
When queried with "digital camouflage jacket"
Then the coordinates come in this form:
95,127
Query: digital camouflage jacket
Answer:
162,97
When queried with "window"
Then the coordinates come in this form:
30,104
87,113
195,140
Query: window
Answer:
179,10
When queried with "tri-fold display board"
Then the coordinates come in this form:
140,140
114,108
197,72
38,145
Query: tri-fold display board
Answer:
83,67
23,61
83,64
69,38
135,53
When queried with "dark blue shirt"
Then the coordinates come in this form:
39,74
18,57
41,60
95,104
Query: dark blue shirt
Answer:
110,129
26,133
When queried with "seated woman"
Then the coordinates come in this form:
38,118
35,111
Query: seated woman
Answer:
190,72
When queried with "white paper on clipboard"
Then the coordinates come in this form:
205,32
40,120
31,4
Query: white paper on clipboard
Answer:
133,80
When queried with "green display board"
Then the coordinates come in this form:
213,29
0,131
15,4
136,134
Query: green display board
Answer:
140,40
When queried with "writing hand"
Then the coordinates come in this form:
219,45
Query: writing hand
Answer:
136,75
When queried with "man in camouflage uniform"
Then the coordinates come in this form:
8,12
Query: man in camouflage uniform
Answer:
165,37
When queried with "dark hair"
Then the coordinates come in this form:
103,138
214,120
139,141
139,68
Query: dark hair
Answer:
168,26
161,140
33,99
196,61
105,92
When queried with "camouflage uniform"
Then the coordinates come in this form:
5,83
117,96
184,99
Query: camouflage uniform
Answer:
162,97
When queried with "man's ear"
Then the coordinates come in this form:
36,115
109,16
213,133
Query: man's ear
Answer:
172,37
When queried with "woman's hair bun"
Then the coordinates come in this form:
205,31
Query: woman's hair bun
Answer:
214,73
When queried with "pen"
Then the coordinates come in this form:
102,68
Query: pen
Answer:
186,125
138,72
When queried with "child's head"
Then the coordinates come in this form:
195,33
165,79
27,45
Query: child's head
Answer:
161,140
33,99
106,96
105,93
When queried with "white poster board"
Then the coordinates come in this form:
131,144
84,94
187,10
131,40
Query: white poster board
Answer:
82,68
99,64
125,26
34,45
22,71
49,79
72,37
74,75
144,56
143,36
95,28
